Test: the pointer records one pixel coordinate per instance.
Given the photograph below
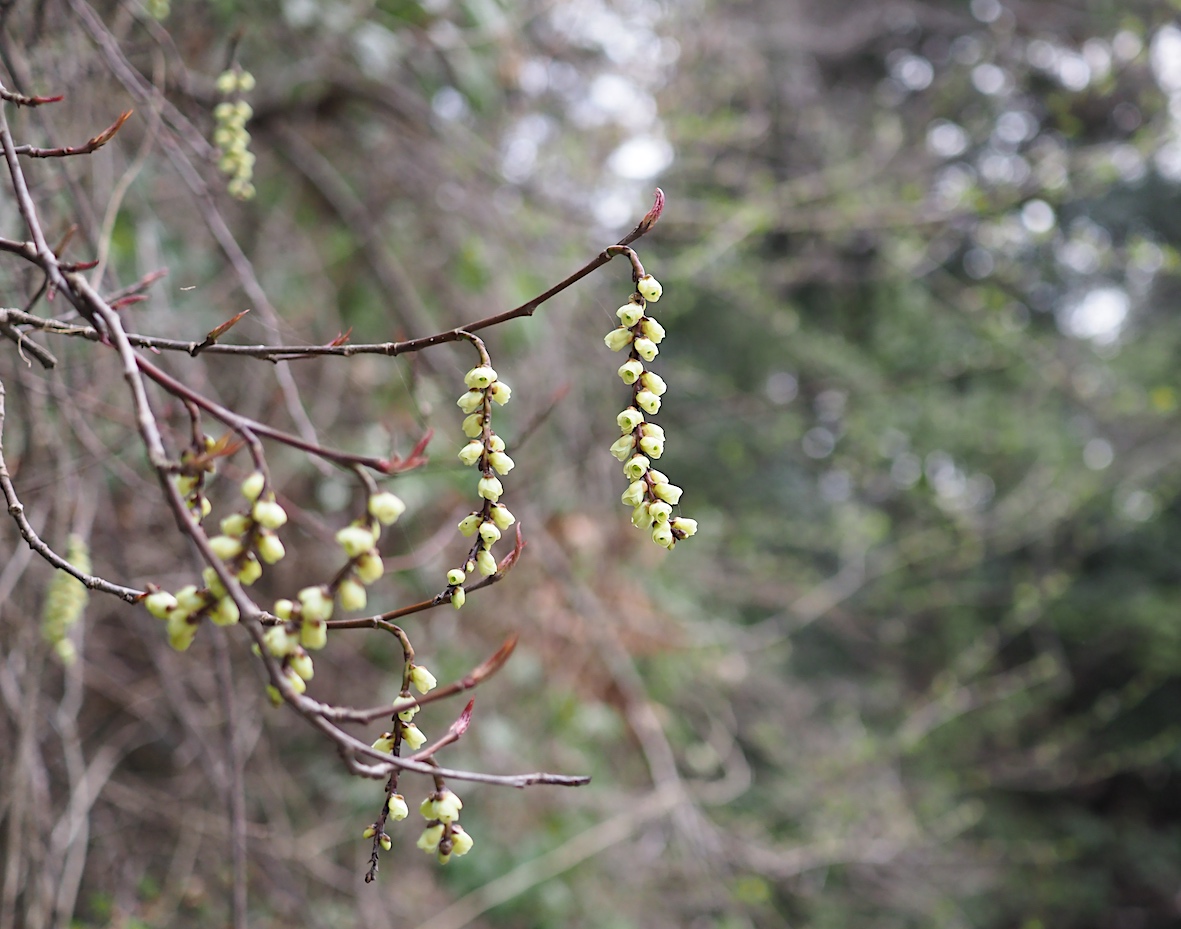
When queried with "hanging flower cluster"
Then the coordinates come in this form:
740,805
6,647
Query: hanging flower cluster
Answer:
484,451
230,135
650,494
443,836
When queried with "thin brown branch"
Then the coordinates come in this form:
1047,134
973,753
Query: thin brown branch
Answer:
91,145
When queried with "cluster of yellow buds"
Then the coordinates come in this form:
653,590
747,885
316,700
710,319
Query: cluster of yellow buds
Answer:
650,494
486,452
359,541
230,135
65,600
443,836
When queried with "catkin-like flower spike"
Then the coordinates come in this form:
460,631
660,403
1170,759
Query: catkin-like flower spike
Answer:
650,494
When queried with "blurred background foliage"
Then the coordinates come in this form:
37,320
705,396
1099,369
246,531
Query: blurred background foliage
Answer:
921,664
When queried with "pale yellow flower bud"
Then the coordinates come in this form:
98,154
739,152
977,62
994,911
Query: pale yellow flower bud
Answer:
430,838
270,548
473,425
670,493
386,842
253,486
662,535
649,288
235,524
485,562
384,744
461,842
642,517
629,419
471,453
683,527
225,547
458,597
618,339
227,82
634,495
413,736
660,511
315,603
447,806
501,463
489,533
386,507
455,577
495,443
652,330
629,314
369,833
277,642
422,679
490,488
652,446
622,448
250,571
471,401
500,392
631,370
352,595
181,631
268,514
397,807
653,382
160,604
646,349
469,524
283,609
635,468
502,517
313,633
648,401
480,378
301,663
355,540
213,582
369,567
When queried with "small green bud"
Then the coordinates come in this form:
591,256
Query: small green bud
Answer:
386,842
458,597
369,833
455,577
315,604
